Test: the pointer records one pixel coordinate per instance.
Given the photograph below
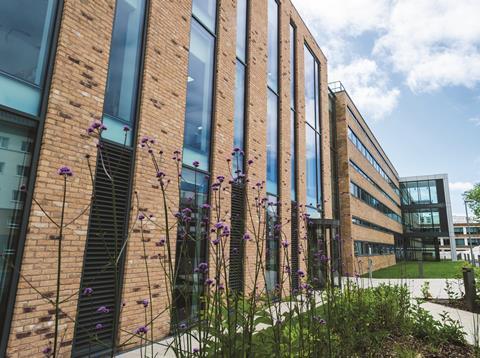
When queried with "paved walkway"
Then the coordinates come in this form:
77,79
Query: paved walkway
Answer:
437,286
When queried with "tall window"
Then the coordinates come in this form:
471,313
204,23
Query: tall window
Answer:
239,120
124,70
272,251
236,268
293,114
14,175
313,138
25,40
191,241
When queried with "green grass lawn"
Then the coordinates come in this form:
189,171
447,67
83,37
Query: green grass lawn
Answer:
431,269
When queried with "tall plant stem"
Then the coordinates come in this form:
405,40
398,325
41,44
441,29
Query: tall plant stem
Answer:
59,268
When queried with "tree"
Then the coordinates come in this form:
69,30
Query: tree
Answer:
473,198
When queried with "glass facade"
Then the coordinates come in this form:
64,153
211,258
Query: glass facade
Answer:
25,42
124,70
272,75
419,192
192,234
313,138
422,220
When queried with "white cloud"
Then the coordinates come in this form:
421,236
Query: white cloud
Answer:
461,186
434,43
368,86
475,120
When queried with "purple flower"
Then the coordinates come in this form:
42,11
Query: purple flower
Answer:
285,243
183,326
145,303
141,330
65,171
99,326
126,128
196,350
144,140
205,206
219,225
246,237
103,309
160,243
90,130
87,291
23,188
141,217
209,282
202,267
221,178
196,164
216,241
250,162
221,287
96,124
47,351
301,273
160,175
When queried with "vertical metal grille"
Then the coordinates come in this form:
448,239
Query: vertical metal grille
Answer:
105,237
236,240
294,244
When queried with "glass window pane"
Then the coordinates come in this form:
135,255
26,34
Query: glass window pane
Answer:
191,245
124,68
14,157
242,29
318,155
433,191
239,120
413,191
423,192
310,104
199,98
272,143
25,34
272,252
205,11
273,45
311,167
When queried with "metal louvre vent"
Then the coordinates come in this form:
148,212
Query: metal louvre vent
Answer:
236,239
294,260
106,233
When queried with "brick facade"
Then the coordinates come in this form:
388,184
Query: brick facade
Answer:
76,98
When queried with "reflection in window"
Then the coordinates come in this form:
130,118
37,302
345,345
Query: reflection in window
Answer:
313,147
273,45
199,97
25,35
272,249
191,244
124,69
206,12
272,144
242,30
293,132
12,199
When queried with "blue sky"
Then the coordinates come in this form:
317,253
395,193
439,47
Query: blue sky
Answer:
414,73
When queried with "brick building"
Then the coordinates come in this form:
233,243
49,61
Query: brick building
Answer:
200,77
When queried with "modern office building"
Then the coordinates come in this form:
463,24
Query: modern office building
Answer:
193,79
370,206
465,233
200,77
427,217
